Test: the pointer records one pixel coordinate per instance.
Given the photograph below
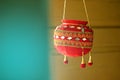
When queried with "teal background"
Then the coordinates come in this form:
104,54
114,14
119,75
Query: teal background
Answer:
23,40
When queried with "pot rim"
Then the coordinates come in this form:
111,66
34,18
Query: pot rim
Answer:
74,21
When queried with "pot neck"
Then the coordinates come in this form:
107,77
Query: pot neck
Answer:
74,22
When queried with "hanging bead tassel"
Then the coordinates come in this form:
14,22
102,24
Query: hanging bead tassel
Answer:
65,60
83,64
90,62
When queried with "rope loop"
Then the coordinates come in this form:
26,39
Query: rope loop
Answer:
85,8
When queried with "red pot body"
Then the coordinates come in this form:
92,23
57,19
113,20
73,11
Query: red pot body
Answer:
72,37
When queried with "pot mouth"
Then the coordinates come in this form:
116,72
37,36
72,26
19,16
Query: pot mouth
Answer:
74,21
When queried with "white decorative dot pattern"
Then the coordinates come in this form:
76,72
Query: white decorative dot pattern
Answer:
69,38
62,37
72,26
57,37
84,39
72,38
65,26
77,39
79,28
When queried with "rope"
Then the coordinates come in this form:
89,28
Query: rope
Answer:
84,3
85,8
64,9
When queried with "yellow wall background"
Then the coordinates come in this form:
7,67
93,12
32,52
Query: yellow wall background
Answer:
105,20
